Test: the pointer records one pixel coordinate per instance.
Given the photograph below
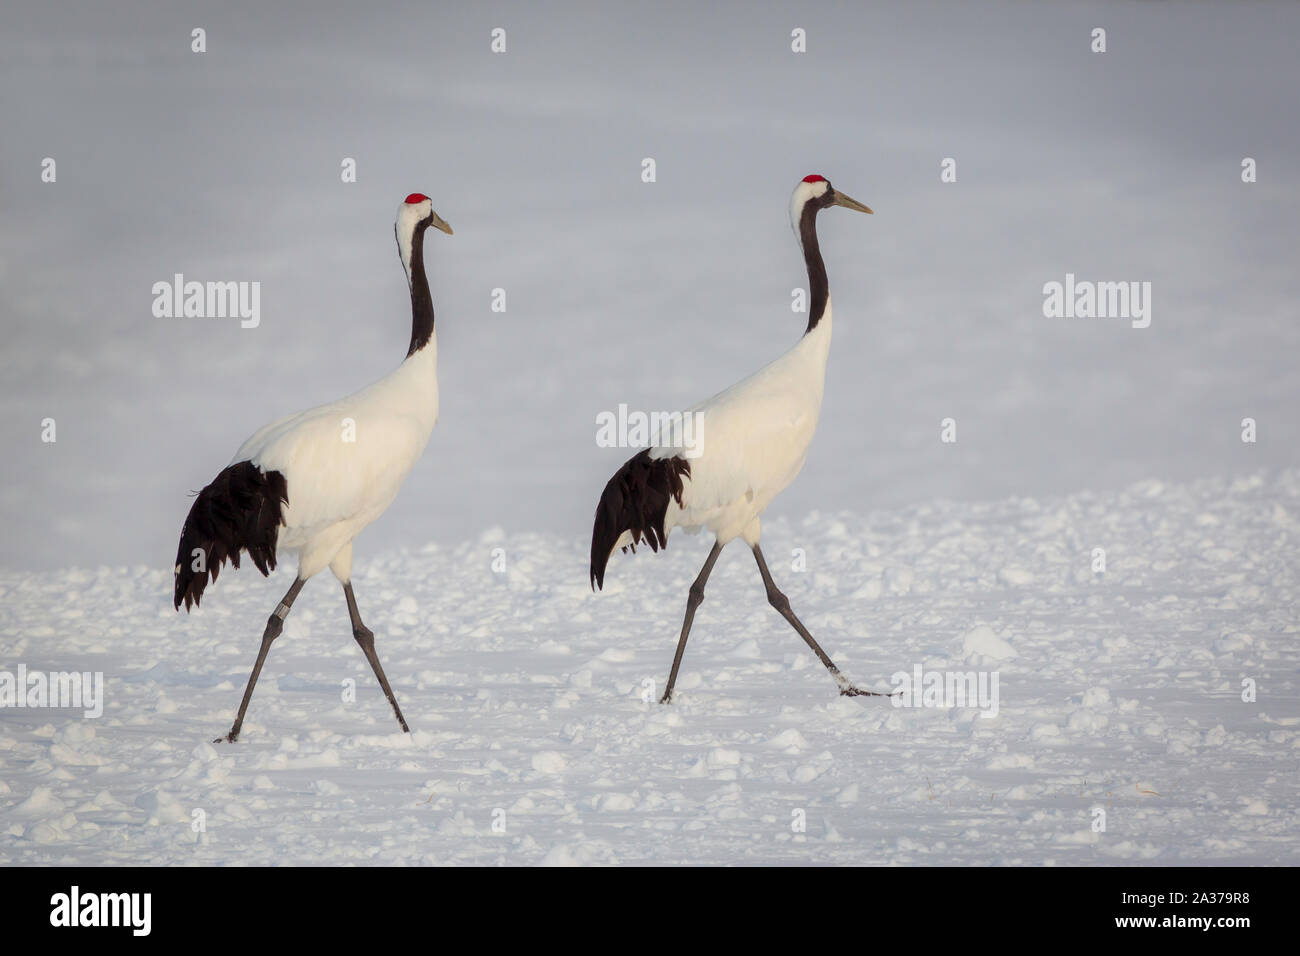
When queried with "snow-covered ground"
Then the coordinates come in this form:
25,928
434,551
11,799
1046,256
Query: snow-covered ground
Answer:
1119,691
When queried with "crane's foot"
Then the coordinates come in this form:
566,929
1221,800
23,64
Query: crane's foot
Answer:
229,738
848,690
851,691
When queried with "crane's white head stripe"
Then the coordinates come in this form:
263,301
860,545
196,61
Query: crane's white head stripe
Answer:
808,189
409,217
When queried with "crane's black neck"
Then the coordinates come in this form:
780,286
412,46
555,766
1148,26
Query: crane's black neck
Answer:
818,284
421,300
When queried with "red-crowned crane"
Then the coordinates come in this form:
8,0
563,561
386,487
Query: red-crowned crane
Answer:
752,441
308,483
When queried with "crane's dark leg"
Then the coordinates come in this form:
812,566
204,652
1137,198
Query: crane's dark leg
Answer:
366,638
782,604
694,600
273,625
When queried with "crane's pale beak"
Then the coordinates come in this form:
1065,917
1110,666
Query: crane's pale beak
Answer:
843,200
440,223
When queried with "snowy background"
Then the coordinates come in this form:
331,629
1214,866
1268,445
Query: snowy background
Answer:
525,689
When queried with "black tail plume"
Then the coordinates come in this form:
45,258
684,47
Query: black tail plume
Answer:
635,500
241,510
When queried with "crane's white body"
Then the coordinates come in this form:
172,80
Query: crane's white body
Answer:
754,438
344,461
339,486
